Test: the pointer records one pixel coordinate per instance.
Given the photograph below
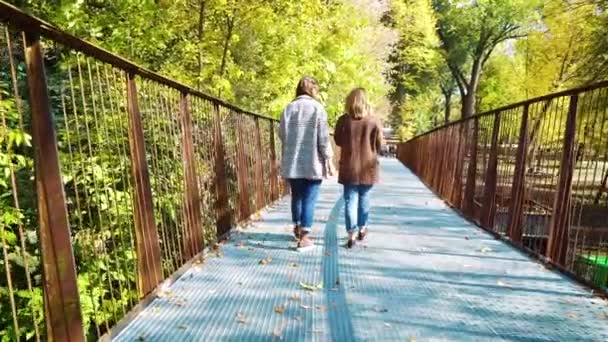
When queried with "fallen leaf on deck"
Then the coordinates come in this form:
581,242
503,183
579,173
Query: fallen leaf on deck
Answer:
310,287
295,298
182,327
265,261
293,264
279,309
165,294
321,308
240,317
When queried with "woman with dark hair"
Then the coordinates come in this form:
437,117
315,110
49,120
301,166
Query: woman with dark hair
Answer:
306,155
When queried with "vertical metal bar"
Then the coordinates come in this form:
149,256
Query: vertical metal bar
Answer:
460,157
558,234
192,195
61,299
146,236
224,217
469,192
515,218
241,166
274,167
488,209
259,171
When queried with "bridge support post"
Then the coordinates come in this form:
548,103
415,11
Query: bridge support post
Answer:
488,209
274,166
242,171
557,247
222,207
148,249
193,239
468,206
260,197
61,300
518,196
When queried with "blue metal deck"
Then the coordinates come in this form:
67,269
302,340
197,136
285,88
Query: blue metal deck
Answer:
425,274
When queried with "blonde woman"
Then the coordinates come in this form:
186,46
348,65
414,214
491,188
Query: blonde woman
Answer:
359,134
307,156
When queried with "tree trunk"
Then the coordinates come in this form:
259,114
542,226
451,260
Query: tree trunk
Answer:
201,31
468,101
229,28
533,137
468,105
447,107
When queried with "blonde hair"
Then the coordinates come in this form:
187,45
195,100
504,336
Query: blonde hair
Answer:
356,104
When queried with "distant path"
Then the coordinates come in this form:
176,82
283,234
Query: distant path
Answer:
425,275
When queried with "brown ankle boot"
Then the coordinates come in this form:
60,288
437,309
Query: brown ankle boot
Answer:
297,232
305,241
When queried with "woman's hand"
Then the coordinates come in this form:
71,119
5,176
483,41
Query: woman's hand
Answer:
329,169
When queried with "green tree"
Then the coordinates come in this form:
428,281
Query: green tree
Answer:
470,31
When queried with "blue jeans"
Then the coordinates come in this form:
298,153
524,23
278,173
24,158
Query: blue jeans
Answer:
304,194
356,206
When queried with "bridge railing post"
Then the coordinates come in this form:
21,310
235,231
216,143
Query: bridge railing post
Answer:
148,247
194,237
274,165
61,298
468,206
488,209
260,201
242,170
558,234
222,208
518,196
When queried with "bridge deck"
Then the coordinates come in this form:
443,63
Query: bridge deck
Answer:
425,274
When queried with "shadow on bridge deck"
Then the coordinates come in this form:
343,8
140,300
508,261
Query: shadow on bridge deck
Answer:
425,274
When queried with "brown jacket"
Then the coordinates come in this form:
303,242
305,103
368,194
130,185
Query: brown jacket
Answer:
359,140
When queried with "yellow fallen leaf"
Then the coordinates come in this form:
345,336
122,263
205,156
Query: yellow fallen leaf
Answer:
279,309
240,317
311,287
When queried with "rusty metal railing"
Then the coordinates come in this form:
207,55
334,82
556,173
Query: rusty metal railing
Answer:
535,173
112,179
